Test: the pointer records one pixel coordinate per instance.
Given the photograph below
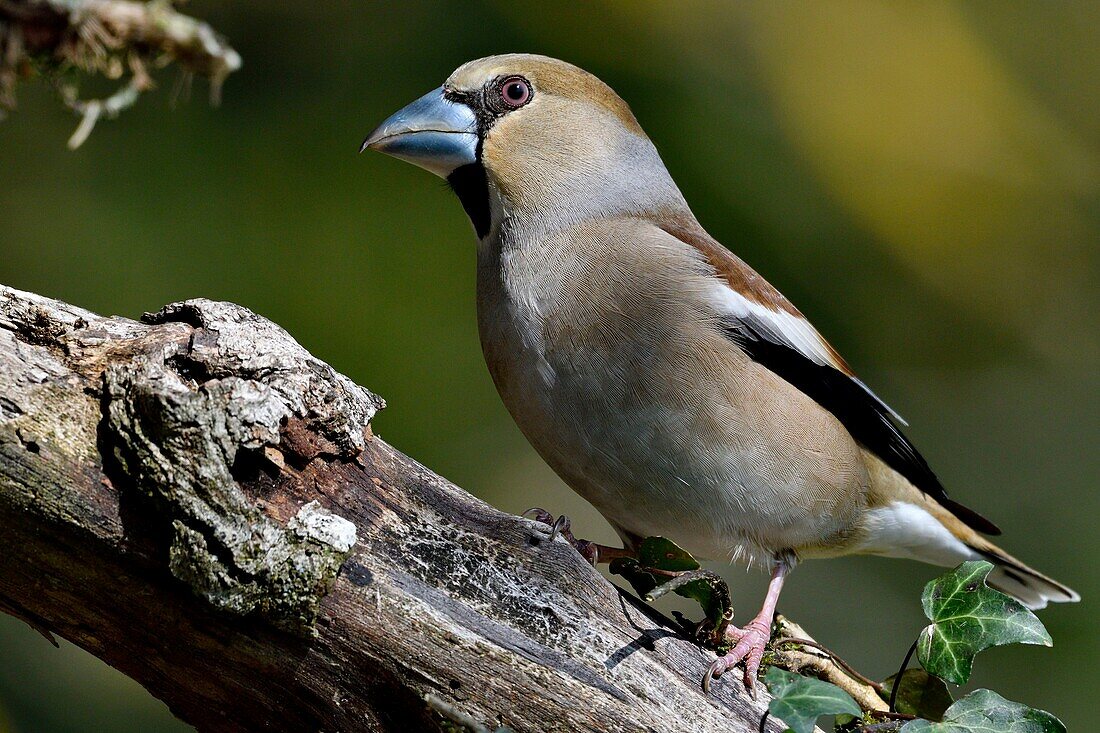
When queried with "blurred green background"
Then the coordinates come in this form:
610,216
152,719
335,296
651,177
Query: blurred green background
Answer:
921,178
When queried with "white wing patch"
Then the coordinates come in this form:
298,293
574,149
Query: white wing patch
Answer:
787,329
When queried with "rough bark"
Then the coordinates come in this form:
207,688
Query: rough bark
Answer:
196,500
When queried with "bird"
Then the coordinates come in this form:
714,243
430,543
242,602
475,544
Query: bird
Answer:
659,375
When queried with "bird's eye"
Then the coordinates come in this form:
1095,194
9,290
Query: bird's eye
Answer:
515,91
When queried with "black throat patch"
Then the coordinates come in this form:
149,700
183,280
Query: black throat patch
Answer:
472,188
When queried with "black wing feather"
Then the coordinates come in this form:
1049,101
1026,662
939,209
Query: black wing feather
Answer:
866,418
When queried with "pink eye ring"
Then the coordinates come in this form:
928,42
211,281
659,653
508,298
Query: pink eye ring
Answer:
515,92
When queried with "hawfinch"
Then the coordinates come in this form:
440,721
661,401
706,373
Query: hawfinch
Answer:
660,376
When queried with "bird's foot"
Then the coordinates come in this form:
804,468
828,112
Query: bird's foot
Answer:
748,650
592,552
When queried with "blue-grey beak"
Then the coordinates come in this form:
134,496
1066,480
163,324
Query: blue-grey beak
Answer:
433,132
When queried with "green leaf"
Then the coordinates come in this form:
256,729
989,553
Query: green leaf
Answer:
920,694
968,616
799,701
984,711
664,554
702,586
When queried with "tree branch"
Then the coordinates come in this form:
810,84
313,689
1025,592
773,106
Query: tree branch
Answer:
116,39
200,503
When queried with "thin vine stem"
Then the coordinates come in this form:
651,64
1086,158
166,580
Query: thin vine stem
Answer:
897,678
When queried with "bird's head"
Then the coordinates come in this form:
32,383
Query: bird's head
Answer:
531,137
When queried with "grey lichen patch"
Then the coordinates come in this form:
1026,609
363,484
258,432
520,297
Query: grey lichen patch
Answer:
288,572
175,402
192,561
178,419
231,341
45,429
37,403
313,522
486,577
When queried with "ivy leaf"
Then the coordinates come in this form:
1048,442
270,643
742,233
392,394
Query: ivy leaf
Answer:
702,586
984,711
968,616
799,701
920,694
664,554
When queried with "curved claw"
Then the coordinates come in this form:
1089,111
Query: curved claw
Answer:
714,671
539,515
562,526
751,640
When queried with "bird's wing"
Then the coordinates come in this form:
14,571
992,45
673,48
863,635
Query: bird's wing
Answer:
767,327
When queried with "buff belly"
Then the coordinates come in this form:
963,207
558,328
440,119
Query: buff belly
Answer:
728,469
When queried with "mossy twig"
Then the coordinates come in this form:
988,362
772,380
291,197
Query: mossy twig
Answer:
113,39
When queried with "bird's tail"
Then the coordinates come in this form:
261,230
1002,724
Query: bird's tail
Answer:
909,523
1025,584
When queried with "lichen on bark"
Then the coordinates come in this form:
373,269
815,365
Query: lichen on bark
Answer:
181,419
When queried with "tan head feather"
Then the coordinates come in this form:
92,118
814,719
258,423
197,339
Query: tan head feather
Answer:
549,76
575,147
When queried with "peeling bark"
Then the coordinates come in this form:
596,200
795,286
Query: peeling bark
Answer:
196,500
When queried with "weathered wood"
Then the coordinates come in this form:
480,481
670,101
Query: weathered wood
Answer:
199,502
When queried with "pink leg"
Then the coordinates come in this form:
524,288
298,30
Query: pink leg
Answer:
751,640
